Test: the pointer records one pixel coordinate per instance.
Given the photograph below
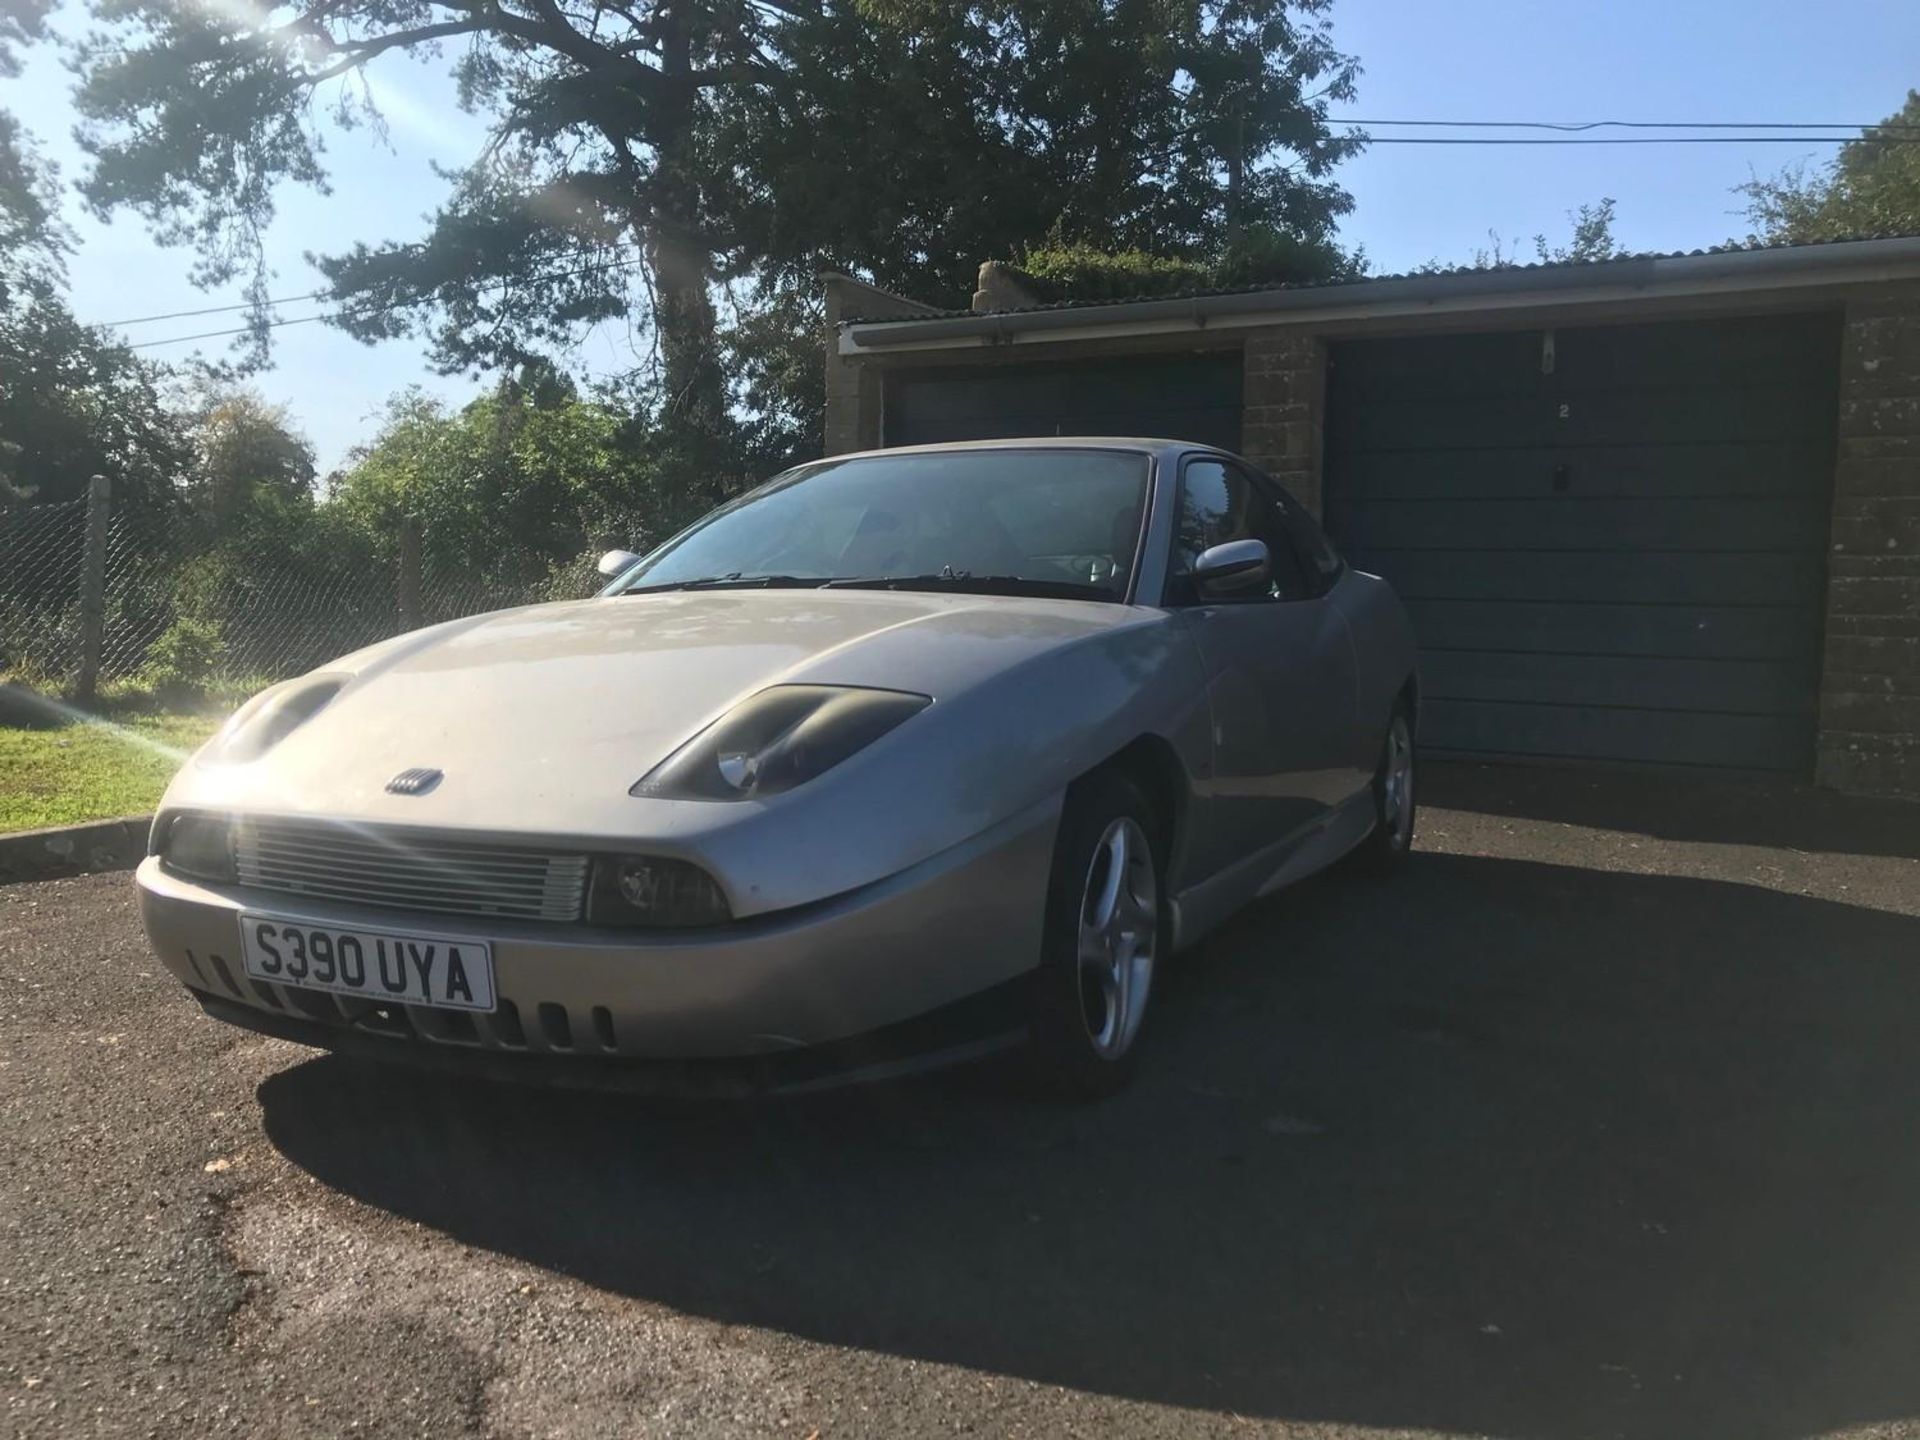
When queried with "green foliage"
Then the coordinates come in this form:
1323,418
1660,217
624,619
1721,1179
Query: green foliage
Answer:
182,663
13,489
1872,187
38,640
1591,239
1267,256
73,402
1262,256
1086,272
21,22
532,475
246,456
134,697
775,352
31,243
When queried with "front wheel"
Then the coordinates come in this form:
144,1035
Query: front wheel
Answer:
1105,931
1393,800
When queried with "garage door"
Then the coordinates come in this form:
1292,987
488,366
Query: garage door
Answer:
1611,540
1188,397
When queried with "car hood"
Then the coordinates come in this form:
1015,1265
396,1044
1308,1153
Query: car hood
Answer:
541,718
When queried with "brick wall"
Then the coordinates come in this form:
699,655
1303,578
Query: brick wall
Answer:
1870,691
1284,386
853,389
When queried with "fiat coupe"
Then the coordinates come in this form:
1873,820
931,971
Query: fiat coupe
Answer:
901,757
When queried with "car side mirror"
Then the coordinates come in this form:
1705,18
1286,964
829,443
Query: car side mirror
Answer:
1233,568
616,562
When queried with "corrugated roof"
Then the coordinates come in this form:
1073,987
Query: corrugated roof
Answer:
1542,268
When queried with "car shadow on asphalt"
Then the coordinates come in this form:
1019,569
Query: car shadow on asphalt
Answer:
1495,1147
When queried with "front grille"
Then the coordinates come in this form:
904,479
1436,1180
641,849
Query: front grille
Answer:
370,866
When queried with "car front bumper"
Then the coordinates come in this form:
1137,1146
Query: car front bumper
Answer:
960,924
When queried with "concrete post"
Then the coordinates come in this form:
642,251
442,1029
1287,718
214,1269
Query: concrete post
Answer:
407,582
93,587
853,388
1285,399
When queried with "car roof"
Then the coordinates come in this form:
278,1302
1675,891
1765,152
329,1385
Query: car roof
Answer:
1135,444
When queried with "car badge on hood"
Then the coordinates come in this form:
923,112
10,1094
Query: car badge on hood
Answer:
414,782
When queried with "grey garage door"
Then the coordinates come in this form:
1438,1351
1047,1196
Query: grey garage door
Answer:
1186,397
1611,540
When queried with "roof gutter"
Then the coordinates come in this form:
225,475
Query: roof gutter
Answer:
1785,267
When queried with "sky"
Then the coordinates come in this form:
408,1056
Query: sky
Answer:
1692,60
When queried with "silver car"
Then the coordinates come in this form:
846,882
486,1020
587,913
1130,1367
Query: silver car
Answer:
900,757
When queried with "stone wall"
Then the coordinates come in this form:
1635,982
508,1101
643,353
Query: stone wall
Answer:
1284,384
1870,689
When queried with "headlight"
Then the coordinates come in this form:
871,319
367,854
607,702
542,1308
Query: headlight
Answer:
269,718
780,738
197,846
653,890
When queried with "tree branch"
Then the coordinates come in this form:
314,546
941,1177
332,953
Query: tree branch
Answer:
356,53
551,31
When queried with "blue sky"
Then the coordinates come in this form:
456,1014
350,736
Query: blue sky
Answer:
1756,60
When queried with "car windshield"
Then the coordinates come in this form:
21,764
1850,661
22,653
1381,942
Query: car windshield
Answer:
1054,520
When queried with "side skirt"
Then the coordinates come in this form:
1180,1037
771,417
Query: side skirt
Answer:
1202,908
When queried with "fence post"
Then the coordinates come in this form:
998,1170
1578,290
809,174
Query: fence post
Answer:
407,590
93,586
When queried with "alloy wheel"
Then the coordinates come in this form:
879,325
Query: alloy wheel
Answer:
1119,935
1398,798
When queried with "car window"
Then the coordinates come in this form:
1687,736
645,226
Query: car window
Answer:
1219,502
1323,563
1044,515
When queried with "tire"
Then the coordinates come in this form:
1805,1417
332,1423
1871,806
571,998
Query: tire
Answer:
1394,800
1103,941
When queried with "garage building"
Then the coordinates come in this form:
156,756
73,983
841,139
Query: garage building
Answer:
1659,511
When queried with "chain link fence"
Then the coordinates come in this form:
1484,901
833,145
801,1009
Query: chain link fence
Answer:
42,560
169,603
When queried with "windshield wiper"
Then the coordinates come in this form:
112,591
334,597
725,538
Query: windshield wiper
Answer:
736,581
962,583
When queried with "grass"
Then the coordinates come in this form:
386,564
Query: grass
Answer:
92,770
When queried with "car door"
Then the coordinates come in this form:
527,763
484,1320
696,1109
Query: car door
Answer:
1328,574
1279,670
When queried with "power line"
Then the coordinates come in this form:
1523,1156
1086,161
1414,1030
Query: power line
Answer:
214,310
247,329
1638,140
1633,124
351,314
228,310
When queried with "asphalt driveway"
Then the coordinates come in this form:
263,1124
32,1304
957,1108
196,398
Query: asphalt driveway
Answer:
1601,1119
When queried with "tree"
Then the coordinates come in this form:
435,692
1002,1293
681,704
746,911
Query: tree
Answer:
688,145
245,454
73,402
527,476
30,241
28,263
1872,187
21,22
912,149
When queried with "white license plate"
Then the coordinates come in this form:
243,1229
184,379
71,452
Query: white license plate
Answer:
403,969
